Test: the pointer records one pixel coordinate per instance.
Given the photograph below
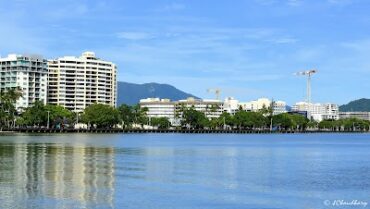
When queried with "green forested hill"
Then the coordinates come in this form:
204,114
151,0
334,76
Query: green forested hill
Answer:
361,105
131,93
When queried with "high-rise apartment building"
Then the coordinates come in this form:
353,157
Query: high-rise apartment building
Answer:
28,73
77,82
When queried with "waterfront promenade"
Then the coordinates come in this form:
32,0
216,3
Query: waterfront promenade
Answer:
185,131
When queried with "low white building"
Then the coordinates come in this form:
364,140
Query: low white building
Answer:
158,108
212,108
279,107
259,104
317,111
231,105
255,105
173,109
358,115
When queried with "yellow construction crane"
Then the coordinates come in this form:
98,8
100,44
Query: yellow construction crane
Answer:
216,91
307,73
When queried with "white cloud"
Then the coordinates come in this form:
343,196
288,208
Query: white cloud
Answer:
135,35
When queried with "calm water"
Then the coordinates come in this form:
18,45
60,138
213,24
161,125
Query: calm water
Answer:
173,171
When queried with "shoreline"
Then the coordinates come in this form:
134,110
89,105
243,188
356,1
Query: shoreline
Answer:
162,131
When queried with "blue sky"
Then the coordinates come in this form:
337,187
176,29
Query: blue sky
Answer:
248,48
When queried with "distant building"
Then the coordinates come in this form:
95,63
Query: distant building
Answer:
302,113
210,107
255,105
317,111
159,108
259,104
173,109
231,105
27,73
77,82
358,115
279,107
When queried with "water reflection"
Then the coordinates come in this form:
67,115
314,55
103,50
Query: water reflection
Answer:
182,171
44,173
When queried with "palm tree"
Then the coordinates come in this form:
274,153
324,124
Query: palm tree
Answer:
8,99
139,114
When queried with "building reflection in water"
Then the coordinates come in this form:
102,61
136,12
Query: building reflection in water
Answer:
43,174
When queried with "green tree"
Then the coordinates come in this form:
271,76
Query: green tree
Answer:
8,99
161,123
250,120
59,115
313,124
283,121
35,115
226,119
194,119
353,124
126,115
329,125
299,121
139,114
101,116
286,121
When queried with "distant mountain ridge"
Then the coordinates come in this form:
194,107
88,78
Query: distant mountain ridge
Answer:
360,105
131,93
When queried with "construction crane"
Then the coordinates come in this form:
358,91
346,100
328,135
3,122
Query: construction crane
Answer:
307,73
216,91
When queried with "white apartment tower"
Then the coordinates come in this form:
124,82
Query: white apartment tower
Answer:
77,82
28,73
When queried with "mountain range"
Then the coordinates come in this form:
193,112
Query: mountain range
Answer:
360,105
131,93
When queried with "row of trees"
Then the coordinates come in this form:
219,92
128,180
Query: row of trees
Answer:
244,120
105,116
350,124
99,115
96,115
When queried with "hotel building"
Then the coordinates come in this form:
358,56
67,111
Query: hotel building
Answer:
77,82
28,73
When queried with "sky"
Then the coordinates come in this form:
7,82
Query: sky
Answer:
247,48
